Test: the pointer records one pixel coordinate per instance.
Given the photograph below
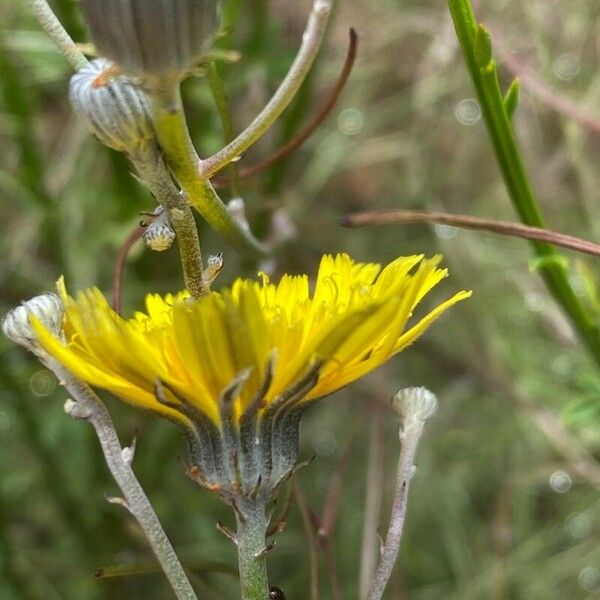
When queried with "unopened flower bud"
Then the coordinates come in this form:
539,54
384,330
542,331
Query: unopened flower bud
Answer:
152,37
114,109
414,405
47,308
214,265
159,235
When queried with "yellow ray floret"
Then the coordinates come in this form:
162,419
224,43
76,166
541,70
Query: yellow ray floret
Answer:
357,316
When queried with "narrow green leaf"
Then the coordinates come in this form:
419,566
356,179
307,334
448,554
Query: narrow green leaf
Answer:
482,47
511,98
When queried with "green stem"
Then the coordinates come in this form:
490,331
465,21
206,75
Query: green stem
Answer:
485,79
218,91
173,136
252,525
153,172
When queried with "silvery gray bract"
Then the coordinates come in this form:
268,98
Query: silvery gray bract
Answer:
115,110
152,36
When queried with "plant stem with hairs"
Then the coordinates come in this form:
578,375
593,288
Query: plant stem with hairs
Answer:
156,177
87,406
252,522
174,138
53,27
415,406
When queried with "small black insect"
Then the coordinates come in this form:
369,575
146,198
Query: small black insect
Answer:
276,593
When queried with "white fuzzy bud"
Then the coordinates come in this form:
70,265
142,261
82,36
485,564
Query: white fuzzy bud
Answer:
214,265
414,405
48,308
159,235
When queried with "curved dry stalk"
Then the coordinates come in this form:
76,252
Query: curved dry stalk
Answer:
403,217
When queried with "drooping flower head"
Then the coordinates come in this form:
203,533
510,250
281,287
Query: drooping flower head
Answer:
247,358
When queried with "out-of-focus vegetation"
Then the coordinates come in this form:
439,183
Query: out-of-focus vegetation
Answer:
505,503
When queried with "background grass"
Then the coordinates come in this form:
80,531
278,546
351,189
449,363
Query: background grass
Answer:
505,502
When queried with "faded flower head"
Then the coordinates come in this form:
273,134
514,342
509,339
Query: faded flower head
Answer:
242,364
113,108
152,37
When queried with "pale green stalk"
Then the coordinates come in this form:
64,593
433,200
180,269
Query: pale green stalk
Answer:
311,42
174,139
53,27
252,523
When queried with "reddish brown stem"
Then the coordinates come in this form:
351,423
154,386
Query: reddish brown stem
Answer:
132,238
295,143
507,228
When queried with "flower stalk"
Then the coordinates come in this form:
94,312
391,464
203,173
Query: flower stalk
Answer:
155,176
173,136
252,523
311,42
415,406
53,27
89,407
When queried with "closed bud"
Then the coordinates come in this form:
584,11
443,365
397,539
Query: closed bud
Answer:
152,37
114,109
415,405
159,235
47,308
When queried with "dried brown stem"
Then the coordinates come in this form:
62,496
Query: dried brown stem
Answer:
319,117
132,238
507,228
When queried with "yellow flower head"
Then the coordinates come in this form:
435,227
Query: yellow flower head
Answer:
265,337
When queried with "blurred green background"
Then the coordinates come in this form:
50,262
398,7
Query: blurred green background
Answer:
505,502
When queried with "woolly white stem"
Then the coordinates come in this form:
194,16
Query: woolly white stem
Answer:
415,405
53,27
89,407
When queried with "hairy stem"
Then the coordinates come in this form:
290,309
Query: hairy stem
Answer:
53,27
155,175
173,136
415,405
89,407
311,42
252,522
